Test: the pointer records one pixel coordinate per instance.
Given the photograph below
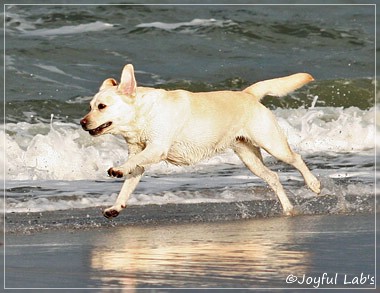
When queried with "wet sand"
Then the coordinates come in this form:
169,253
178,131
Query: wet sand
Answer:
89,218
325,251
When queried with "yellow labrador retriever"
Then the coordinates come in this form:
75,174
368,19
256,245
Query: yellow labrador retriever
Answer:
182,128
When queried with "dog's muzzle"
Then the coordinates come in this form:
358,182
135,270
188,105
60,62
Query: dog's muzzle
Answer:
96,131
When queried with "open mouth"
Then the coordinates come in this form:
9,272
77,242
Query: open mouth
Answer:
98,130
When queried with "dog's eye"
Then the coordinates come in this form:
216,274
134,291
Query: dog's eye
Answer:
101,106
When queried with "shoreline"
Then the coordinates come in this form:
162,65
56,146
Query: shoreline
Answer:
89,218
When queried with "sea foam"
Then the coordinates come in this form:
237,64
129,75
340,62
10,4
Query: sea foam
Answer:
63,151
69,29
189,24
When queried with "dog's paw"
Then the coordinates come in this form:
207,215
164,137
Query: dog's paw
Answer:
115,172
315,186
109,214
113,211
293,211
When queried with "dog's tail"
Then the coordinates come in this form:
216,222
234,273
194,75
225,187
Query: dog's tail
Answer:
278,86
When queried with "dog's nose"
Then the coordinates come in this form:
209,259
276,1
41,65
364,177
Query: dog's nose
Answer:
83,122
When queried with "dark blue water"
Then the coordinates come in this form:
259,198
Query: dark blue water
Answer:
62,51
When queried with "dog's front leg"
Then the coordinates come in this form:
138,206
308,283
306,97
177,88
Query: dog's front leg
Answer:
150,155
128,187
133,169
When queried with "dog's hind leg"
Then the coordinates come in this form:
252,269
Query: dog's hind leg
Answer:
266,133
282,151
296,161
251,157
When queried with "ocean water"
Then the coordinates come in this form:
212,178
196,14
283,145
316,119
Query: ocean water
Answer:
56,57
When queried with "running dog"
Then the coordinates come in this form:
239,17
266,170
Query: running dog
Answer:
182,128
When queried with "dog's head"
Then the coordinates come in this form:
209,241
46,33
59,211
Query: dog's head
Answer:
112,108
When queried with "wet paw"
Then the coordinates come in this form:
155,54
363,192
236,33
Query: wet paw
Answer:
114,172
292,212
110,213
315,186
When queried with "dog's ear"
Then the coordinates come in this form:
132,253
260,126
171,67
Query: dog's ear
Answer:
108,83
128,84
